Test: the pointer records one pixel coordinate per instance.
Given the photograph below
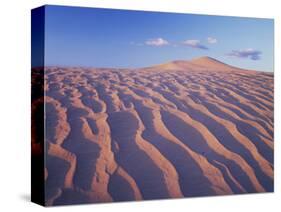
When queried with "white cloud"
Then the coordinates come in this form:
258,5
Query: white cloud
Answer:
212,40
246,53
157,42
195,44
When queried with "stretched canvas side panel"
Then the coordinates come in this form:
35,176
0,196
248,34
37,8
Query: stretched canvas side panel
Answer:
37,105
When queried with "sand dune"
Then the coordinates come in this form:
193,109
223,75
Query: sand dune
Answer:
180,129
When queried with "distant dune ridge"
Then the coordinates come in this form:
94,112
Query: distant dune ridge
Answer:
180,129
197,64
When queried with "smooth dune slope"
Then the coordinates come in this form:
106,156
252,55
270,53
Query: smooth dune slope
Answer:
180,129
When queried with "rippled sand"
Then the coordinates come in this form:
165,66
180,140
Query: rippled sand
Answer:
181,129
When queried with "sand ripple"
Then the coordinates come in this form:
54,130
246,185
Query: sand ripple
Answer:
160,132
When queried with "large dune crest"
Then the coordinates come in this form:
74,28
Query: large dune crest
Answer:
198,64
180,129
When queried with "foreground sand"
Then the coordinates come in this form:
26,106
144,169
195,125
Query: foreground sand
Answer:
181,129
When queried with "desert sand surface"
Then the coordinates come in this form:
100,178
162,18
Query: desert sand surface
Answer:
180,129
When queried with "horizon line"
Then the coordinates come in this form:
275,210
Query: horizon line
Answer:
149,66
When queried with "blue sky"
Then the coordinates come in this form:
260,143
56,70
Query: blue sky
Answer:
77,36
